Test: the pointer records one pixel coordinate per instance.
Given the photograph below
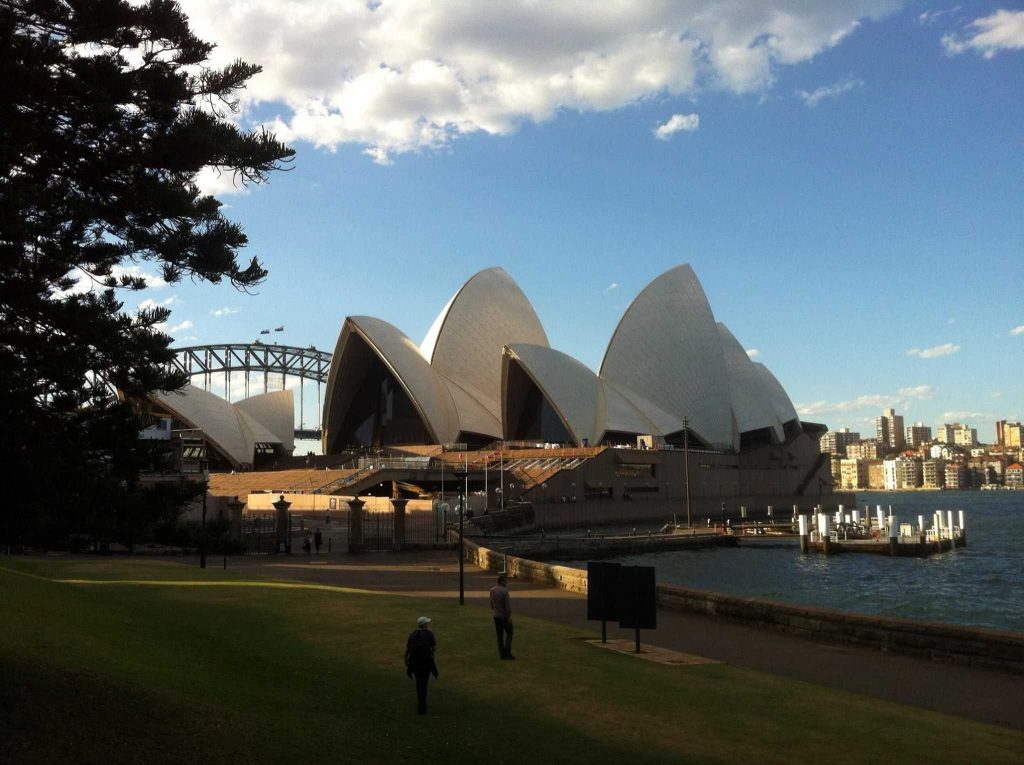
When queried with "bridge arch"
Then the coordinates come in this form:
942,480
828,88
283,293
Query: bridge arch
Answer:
245,369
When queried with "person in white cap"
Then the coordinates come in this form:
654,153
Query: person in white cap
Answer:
419,660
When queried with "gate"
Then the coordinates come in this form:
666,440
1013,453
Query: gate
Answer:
422,528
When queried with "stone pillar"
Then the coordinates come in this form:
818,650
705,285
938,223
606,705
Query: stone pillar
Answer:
282,526
399,505
235,514
355,525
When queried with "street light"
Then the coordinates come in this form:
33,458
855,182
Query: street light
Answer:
202,531
686,463
461,476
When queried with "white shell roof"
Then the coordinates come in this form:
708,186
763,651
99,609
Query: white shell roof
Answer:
781,402
666,348
423,385
466,340
276,412
231,431
623,414
473,417
751,401
570,386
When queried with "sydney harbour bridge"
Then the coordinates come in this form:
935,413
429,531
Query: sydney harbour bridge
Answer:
239,370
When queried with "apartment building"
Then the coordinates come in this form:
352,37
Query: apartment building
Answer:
1015,476
837,441
902,473
933,474
853,473
956,475
864,450
964,435
918,434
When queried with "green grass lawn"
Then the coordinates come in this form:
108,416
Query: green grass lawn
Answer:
154,666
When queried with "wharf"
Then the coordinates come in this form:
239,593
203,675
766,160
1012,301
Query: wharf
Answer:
917,546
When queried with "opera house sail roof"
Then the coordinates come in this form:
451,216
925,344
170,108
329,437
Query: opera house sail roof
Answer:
485,372
234,431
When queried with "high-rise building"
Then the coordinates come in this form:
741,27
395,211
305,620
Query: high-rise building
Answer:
1000,424
902,473
836,441
933,474
956,475
918,434
965,435
1013,435
865,450
896,441
882,432
853,473
944,433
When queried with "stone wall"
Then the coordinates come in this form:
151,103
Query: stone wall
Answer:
975,646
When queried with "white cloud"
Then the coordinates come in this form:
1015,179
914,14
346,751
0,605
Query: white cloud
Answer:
162,326
931,16
153,282
1018,330
611,287
225,311
678,122
876,401
936,351
918,391
813,97
961,416
410,76
150,303
212,181
1003,30
753,353
997,394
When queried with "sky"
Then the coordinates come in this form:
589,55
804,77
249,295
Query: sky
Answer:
845,178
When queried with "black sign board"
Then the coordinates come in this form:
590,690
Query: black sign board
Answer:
636,598
602,590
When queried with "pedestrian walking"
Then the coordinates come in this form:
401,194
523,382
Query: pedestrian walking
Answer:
307,543
419,660
501,606
318,539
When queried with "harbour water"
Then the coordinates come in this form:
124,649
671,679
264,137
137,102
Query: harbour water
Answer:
981,585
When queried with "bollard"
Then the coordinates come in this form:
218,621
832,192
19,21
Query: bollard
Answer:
769,513
823,532
894,535
920,524
881,518
856,517
963,530
952,529
743,511
805,545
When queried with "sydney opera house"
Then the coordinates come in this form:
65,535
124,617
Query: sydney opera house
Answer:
677,410
485,372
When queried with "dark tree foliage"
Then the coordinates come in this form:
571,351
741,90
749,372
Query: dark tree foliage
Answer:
107,113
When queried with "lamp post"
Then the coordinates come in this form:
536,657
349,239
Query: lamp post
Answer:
461,476
202,528
686,467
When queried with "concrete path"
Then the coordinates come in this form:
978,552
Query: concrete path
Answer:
978,694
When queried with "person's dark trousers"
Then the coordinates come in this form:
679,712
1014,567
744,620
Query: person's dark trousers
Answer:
422,678
503,631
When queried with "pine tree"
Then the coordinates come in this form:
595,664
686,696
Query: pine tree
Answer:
108,111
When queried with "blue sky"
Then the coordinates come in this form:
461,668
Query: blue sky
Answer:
850,194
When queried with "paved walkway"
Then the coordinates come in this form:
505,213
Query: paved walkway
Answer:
978,694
